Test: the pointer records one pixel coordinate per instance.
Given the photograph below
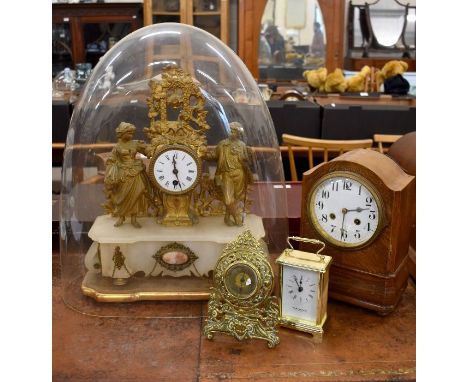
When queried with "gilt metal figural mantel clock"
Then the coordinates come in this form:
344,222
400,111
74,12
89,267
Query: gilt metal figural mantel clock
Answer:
177,148
359,203
177,230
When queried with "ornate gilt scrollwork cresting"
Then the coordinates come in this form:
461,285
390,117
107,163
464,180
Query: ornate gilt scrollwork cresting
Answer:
177,90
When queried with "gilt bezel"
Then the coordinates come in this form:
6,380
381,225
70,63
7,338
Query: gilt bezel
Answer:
159,152
227,279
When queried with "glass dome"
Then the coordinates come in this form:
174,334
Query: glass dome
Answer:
139,220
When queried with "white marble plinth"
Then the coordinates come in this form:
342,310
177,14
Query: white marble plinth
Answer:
206,239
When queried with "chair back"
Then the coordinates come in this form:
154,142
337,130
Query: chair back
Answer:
380,139
296,144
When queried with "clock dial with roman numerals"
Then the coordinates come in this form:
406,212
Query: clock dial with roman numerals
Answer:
300,291
345,210
175,170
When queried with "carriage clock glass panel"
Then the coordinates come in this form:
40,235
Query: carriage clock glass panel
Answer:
300,288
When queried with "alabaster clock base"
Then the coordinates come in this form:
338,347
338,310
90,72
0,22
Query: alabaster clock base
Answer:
304,326
157,262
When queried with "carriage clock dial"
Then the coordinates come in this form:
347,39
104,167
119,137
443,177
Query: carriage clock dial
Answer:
175,170
299,293
345,210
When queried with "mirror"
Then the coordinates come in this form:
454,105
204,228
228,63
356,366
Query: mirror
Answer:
382,27
387,19
292,39
410,30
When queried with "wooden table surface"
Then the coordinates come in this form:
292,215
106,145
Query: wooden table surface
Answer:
358,345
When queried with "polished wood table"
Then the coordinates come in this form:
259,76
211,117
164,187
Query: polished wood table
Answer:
128,342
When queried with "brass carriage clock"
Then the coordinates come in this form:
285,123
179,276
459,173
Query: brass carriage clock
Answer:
177,146
304,288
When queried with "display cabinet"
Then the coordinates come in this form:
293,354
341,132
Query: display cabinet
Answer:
209,15
85,32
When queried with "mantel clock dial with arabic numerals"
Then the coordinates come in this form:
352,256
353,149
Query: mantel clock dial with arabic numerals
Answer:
359,203
345,209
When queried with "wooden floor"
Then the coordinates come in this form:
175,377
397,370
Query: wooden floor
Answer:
358,346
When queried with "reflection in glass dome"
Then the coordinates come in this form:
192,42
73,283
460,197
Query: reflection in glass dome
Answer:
171,153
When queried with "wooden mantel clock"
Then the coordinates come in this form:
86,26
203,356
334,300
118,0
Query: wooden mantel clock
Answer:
359,203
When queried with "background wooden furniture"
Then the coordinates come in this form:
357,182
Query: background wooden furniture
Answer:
77,17
380,139
357,63
355,100
193,12
296,118
348,121
403,152
324,146
250,16
333,12
301,118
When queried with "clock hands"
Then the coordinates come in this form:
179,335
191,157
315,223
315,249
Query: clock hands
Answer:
295,279
299,284
175,172
344,211
359,209
241,286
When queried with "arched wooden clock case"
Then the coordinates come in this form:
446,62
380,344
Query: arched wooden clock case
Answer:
374,275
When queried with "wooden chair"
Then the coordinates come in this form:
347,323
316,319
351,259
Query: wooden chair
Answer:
380,139
295,144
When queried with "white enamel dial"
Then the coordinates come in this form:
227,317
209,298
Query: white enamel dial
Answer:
345,211
299,296
175,171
